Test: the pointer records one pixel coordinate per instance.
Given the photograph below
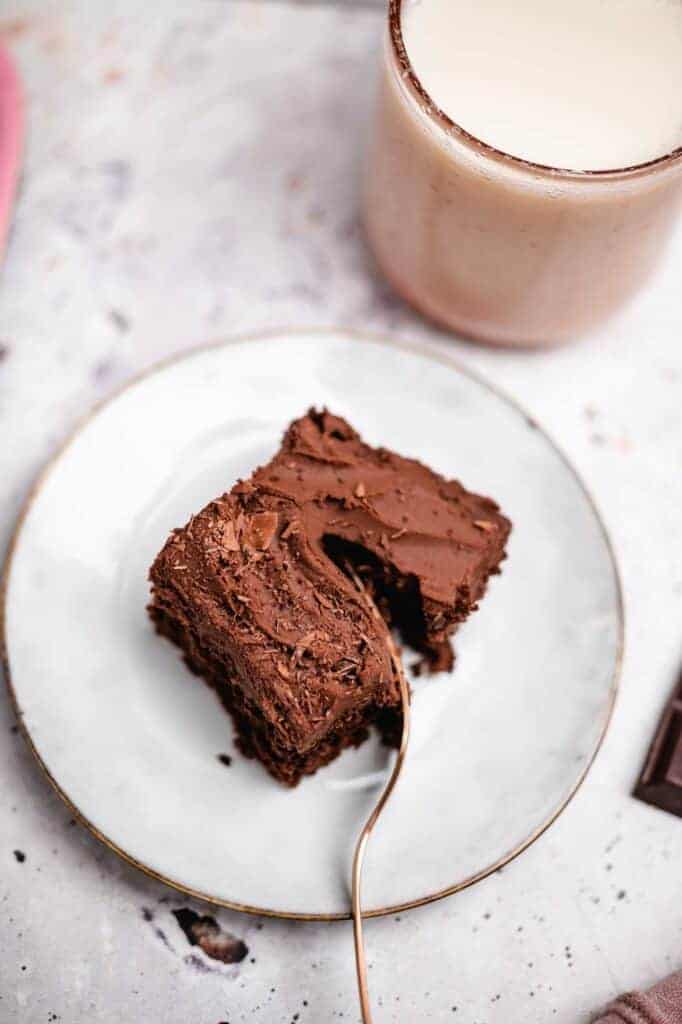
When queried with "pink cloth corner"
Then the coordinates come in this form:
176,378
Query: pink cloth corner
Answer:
11,131
661,1004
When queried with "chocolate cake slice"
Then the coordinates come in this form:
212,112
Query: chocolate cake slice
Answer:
254,589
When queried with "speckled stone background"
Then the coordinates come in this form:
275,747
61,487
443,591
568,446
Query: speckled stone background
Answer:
191,173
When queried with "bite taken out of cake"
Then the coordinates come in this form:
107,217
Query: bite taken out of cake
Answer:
255,589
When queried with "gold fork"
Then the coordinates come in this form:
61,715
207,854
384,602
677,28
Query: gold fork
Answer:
361,846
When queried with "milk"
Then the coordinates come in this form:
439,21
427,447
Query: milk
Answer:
585,84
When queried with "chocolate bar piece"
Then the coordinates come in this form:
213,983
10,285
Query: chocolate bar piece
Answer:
661,781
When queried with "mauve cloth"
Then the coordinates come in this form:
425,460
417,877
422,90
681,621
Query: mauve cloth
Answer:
661,1004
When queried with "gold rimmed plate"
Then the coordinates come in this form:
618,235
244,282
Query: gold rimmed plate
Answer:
132,741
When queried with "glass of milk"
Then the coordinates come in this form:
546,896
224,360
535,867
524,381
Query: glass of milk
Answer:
526,161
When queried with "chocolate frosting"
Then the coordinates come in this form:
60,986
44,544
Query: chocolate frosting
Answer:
397,508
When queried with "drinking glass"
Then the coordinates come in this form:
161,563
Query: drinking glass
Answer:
496,247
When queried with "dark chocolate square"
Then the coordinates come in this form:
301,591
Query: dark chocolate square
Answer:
661,781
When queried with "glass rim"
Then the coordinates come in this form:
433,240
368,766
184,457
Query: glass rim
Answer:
448,125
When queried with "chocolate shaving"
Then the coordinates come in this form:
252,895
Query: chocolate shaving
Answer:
293,526
230,542
305,642
261,529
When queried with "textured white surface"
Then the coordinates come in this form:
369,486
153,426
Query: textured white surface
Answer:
193,174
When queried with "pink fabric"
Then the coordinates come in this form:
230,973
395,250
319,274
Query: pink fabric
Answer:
11,130
661,1004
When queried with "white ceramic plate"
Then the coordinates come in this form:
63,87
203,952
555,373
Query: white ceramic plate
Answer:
131,739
